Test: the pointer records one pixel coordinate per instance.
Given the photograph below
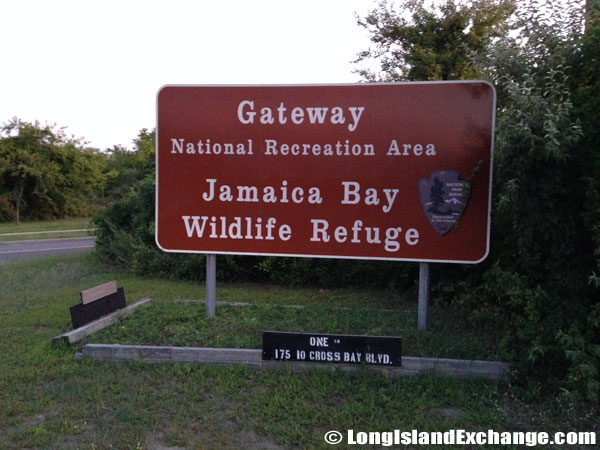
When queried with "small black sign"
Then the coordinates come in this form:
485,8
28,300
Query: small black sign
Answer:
332,348
84,314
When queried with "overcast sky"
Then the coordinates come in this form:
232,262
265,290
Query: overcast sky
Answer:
95,67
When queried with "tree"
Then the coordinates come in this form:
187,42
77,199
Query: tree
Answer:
45,174
16,170
125,169
432,44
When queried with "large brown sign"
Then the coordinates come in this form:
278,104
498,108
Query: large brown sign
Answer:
369,171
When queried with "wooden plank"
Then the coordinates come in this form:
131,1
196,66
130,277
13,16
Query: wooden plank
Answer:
79,333
411,366
83,314
217,355
97,292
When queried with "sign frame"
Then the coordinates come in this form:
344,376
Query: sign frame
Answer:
332,256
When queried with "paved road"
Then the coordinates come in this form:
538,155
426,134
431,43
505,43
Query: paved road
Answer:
30,249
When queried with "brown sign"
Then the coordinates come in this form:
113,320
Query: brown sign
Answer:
368,171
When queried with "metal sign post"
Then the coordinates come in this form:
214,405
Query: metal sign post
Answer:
423,295
211,284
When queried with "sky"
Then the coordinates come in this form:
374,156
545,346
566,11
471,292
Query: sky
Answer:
96,66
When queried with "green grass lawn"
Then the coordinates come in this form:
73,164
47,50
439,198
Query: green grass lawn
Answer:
169,323
35,230
48,400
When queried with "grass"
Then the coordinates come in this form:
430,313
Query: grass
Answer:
13,232
50,401
168,323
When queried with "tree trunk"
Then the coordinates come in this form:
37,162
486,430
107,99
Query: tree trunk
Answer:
18,201
592,12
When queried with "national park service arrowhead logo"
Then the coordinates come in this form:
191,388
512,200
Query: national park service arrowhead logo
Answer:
444,197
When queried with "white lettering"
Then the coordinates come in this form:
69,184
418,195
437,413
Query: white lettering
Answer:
194,226
246,117
207,197
351,195
266,116
319,227
297,115
356,113
358,232
317,115
390,195
177,145
337,115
